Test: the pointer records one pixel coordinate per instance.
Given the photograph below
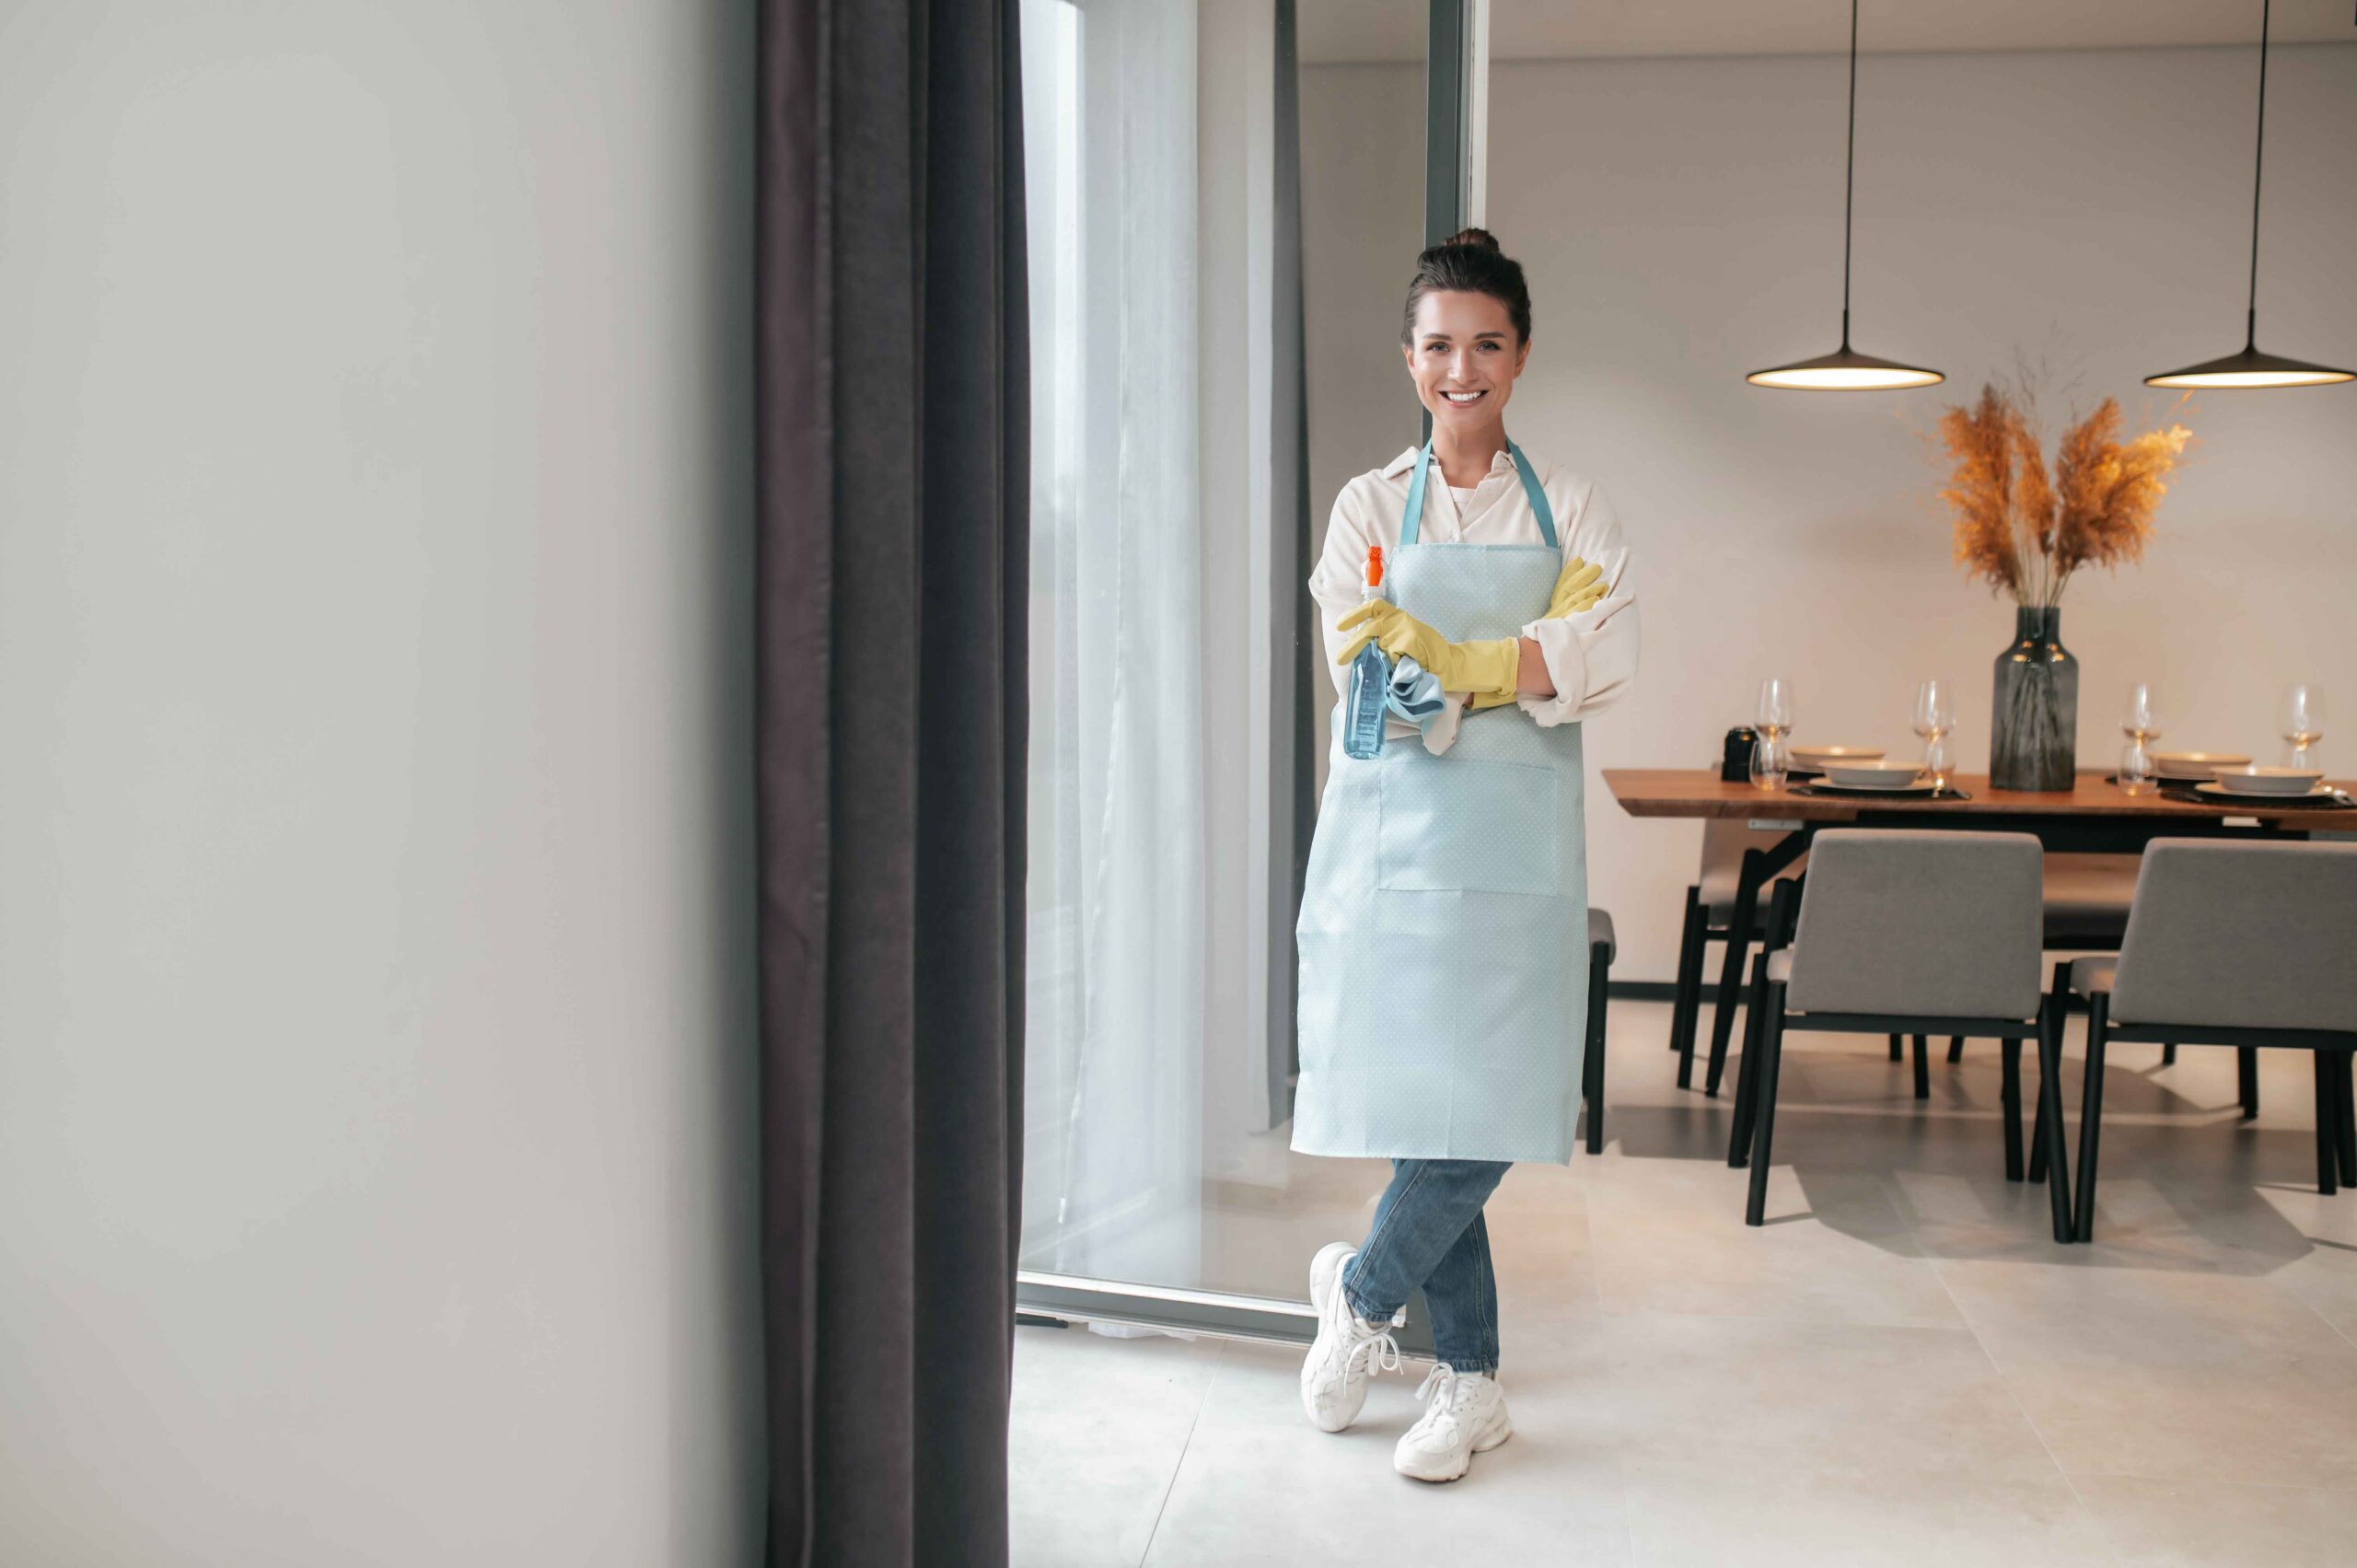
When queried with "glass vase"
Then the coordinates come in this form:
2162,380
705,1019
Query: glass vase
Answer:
2034,728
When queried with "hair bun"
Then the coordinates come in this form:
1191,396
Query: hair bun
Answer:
1481,238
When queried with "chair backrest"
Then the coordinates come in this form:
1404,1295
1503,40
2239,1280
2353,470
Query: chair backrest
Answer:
1926,924
2229,933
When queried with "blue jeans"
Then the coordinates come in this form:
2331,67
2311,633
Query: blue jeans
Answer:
1428,1232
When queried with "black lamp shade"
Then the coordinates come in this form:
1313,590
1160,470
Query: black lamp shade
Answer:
1844,371
2252,368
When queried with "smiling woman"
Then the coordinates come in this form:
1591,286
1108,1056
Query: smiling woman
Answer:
1451,854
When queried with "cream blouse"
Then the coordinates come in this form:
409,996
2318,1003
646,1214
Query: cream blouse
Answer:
1591,657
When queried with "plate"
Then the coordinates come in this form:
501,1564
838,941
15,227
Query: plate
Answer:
1816,758
1913,786
2217,791
2193,766
2271,781
1870,775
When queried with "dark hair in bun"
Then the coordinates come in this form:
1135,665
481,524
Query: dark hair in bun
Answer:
1470,262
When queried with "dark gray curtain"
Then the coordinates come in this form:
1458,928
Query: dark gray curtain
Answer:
892,397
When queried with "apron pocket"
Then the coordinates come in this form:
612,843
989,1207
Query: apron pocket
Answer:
1453,824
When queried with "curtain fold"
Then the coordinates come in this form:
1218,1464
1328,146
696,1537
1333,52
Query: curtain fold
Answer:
891,730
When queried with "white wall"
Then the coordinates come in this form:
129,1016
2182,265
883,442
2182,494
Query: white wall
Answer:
1680,221
375,986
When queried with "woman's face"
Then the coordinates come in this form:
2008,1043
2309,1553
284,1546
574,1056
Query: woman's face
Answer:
1464,357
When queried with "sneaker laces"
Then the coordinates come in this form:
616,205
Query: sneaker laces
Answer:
1379,1341
1442,1379
1446,1387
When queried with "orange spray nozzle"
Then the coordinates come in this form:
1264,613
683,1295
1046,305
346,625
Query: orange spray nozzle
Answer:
1375,565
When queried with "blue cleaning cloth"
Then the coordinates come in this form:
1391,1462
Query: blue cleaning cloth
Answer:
1415,694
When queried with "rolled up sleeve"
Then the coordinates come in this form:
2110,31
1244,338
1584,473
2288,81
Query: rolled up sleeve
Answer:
1591,657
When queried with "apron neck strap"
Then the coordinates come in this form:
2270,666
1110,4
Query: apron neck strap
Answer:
1412,524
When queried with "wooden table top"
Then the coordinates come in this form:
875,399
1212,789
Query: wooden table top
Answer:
1701,793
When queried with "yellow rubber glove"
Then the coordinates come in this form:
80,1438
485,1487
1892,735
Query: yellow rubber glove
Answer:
1580,586
1491,666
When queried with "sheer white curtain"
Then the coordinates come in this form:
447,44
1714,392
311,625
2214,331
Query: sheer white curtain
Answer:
1113,1099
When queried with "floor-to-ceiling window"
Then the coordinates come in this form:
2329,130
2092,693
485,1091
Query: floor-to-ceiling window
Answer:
1174,151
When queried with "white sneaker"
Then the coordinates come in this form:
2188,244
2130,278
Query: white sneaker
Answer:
1466,1416
1333,1378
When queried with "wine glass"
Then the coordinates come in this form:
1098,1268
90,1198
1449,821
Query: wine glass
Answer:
2136,770
1769,761
1775,707
2303,724
1934,719
2139,721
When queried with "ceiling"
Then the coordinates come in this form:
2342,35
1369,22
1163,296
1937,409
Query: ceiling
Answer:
1341,31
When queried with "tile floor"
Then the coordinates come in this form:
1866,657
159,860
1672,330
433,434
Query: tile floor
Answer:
1899,1367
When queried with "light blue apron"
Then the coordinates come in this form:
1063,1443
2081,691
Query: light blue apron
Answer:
1444,926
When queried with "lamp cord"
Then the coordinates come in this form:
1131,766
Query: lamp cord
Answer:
1850,178
2251,318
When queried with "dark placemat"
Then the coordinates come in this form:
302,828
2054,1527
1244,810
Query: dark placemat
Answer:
1861,796
2248,804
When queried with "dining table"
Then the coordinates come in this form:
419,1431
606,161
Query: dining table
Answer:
2094,816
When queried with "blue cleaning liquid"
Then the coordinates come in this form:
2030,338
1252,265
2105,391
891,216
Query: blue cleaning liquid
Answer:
1364,719
1364,709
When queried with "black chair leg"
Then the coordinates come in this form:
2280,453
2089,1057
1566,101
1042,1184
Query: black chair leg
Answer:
1922,1067
2168,1056
2344,1119
1747,1078
1956,1050
2048,1158
1717,1071
1599,980
1740,925
2091,1115
2328,1133
1692,937
1772,1051
2054,1008
2247,1078
1898,1052
2013,1103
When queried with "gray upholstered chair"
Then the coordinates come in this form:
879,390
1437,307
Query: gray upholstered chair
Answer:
2085,898
2086,909
1601,947
2232,944
1933,933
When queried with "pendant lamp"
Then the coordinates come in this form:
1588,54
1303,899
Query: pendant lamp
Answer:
1845,369
2250,367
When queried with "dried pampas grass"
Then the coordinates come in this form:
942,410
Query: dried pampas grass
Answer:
2025,531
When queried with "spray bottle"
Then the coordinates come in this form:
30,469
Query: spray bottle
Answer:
1364,711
